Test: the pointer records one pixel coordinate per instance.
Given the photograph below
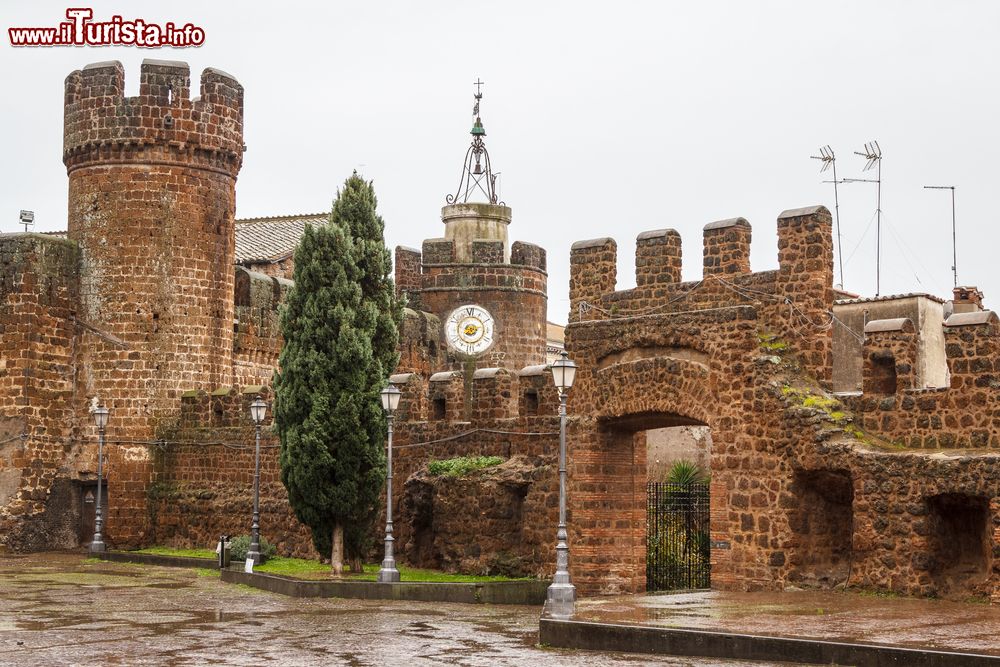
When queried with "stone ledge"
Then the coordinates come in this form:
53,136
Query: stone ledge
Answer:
895,324
726,224
969,319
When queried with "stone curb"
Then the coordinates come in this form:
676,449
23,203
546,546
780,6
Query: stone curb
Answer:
568,633
156,559
487,592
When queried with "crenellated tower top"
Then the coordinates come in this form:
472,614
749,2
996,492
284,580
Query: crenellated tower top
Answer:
162,123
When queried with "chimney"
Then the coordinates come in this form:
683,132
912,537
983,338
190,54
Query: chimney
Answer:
967,300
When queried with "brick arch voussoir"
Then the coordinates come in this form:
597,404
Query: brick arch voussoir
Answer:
650,334
655,386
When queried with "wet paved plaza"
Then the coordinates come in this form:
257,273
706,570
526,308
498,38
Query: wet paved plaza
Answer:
58,609
827,615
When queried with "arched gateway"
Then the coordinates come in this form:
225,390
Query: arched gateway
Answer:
668,353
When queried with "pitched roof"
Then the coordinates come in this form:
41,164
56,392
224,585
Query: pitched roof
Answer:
272,239
889,297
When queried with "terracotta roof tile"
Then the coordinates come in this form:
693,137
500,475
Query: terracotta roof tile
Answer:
272,239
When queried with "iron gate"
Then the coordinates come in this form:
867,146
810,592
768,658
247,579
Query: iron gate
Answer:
677,536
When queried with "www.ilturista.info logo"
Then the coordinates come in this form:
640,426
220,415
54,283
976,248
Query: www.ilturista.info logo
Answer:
80,30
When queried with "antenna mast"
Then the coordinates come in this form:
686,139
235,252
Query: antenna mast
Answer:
873,154
829,159
954,244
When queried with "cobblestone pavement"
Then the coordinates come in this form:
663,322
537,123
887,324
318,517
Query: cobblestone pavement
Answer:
58,609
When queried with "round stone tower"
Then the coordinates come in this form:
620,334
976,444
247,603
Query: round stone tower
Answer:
152,195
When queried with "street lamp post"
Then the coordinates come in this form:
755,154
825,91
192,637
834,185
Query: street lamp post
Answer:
561,594
257,411
101,420
388,573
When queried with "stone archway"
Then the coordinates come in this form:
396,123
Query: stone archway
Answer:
608,493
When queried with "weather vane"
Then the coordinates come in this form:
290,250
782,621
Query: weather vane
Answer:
477,173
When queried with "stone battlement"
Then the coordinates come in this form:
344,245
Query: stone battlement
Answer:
225,407
442,251
803,251
102,125
795,300
491,394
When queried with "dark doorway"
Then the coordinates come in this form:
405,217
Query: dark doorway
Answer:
883,374
88,510
823,522
959,543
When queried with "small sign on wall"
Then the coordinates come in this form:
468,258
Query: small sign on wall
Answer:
248,566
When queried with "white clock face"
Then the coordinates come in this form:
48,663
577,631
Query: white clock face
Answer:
469,330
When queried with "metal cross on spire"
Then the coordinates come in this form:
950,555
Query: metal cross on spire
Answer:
477,173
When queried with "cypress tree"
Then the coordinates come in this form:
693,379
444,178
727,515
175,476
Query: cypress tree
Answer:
340,324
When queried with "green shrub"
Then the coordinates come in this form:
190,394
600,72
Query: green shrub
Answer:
462,465
238,547
686,472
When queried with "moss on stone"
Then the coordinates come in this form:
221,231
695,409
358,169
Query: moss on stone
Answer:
462,465
771,343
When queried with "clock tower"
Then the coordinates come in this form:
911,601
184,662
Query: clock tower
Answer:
474,301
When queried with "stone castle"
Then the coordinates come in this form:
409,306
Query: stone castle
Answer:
853,441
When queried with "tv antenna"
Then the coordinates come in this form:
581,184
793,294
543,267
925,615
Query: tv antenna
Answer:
954,250
872,153
829,160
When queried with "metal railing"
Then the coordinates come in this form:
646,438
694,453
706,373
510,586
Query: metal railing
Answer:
677,536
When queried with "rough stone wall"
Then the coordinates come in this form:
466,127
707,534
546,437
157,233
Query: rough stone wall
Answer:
493,521
658,258
257,339
890,360
202,484
407,273
727,247
38,301
282,268
502,518
919,524
960,416
420,346
200,480
803,492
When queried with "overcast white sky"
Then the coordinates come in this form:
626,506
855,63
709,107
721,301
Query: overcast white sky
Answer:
605,119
